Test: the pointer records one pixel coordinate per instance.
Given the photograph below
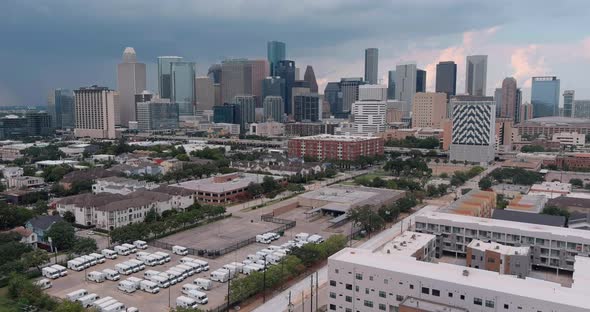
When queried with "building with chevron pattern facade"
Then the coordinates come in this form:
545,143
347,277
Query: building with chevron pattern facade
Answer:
474,129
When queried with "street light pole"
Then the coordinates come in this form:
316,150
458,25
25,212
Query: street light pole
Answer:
264,281
228,288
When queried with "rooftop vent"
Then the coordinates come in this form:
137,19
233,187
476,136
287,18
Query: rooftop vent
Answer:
465,273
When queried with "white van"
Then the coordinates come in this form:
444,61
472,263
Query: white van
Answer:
252,257
140,254
61,269
273,235
189,287
266,251
85,262
160,280
101,301
149,273
127,286
140,244
186,269
195,266
99,258
262,238
316,239
105,304
123,269
174,276
184,260
111,275
115,307
301,237
149,286
203,283
199,296
43,283
87,300
50,272
247,262
181,274
95,276
76,294
238,266
132,309
221,276
122,250
159,258
186,302
135,280
137,263
148,260
179,250
204,264
131,247
164,255
75,265
109,254
249,269
90,259
171,279
257,265
232,270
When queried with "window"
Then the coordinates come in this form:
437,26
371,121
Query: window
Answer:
491,260
370,278
382,294
450,295
349,286
426,290
411,286
356,288
332,307
368,303
359,276
337,271
366,291
462,297
348,310
506,306
477,301
385,281
348,299
382,307
332,283
436,292
399,297
332,295
489,303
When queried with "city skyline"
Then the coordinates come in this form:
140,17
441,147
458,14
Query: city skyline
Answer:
515,46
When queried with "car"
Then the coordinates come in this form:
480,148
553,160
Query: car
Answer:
90,232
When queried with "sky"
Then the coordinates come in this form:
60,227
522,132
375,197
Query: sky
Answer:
74,43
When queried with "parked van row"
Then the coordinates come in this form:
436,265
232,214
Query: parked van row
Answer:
192,291
264,258
198,265
84,262
163,280
304,238
129,267
153,259
267,238
54,271
106,304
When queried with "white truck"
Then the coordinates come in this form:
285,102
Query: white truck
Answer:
149,273
99,258
239,266
161,259
122,250
105,304
252,257
263,238
76,294
179,250
249,269
175,276
186,302
50,272
171,279
90,259
109,254
221,276
316,239
204,264
163,255
181,274
232,270
203,283
111,275
131,247
136,264
87,300
43,283
273,235
149,286
123,269
186,269
199,296
75,265
95,276
101,301
115,307
301,237
188,287
140,244
127,286
160,280
135,280
148,260
61,269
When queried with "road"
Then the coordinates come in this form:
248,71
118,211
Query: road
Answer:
301,290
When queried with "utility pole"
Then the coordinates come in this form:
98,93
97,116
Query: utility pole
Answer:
228,287
290,305
264,281
169,295
317,287
311,293
302,301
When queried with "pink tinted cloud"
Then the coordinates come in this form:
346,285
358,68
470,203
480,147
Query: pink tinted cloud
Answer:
527,63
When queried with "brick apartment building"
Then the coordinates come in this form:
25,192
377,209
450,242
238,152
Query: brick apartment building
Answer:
333,147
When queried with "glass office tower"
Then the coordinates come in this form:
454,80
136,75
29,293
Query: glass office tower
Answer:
276,51
545,96
183,87
165,75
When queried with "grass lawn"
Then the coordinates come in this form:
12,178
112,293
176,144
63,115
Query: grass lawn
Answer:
6,304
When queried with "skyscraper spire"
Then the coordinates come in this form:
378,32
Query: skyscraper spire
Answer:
129,55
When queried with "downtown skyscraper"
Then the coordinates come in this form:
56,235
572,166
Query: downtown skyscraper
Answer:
131,80
60,105
446,78
545,96
476,71
405,86
371,65
183,86
165,75
275,51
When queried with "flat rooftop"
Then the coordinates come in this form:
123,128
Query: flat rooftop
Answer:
210,185
337,138
499,248
429,306
407,243
351,195
481,279
527,203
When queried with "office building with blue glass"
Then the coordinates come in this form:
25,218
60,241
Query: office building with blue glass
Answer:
545,96
276,51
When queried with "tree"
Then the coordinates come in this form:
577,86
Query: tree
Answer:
62,235
84,245
532,149
36,258
183,157
577,182
181,309
444,175
254,189
69,217
151,216
269,184
389,213
485,184
295,187
69,306
555,211
365,218
13,216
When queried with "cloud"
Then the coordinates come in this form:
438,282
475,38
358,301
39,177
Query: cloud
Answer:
526,64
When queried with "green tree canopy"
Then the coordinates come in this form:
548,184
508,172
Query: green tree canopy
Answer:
62,235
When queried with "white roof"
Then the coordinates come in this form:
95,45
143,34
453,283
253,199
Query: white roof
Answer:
207,185
499,248
407,243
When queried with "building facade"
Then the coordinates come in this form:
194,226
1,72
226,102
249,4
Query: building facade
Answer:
405,85
582,109
309,77
333,95
307,107
476,75
227,113
273,107
275,51
473,134
183,87
95,112
568,103
300,129
131,80
420,80
446,78
349,87
204,93
371,65
273,86
545,96
509,107
391,85
286,70
60,106
165,75
157,114
330,147
247,104
429,109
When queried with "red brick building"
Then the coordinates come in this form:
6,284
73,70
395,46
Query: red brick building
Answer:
335,147
573,162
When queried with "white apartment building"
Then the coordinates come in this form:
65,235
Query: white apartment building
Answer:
120,185
95,112
11,172
551,247
24,182
369,112
474,129
569,138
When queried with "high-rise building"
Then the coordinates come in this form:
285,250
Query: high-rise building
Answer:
368,113
476,75
582,109
227,113
286,70
259,72
545,96
474,129
429,109
275,51
405,85
309,77
273,108
95,112
391,85
131,79
526,112
568,103
38,124
60,106
306,107
214,72
183,87
446,78
420,80
333,96
350,93
498,101
165,75
205,93
157,114
243,77
371,65
247,105
273,86
509,99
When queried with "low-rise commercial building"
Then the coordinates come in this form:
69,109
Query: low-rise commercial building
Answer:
499,258
569,138
120,185
330,147
551,189
527,203
267,129
24,182
298,129
476,203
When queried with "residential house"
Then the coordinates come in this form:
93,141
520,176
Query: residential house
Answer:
41,224
27,236
25,182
